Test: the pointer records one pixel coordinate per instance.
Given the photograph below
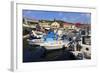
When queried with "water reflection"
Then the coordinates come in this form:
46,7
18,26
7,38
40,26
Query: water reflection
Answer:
36,53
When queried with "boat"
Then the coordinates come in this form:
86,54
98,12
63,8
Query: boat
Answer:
47,44
49,41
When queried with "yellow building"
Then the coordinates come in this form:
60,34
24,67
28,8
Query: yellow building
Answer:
55,25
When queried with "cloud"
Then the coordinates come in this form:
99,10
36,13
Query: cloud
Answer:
88,15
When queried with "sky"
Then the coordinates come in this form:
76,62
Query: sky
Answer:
73,17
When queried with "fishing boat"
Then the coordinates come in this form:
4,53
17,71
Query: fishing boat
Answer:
48,41
47,45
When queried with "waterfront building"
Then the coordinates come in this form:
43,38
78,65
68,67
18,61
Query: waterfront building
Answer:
69,25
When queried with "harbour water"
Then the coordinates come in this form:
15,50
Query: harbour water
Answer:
36,53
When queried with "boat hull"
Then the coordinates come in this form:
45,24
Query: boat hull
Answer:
48,47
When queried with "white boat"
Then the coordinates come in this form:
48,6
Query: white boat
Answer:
50,43
47,45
